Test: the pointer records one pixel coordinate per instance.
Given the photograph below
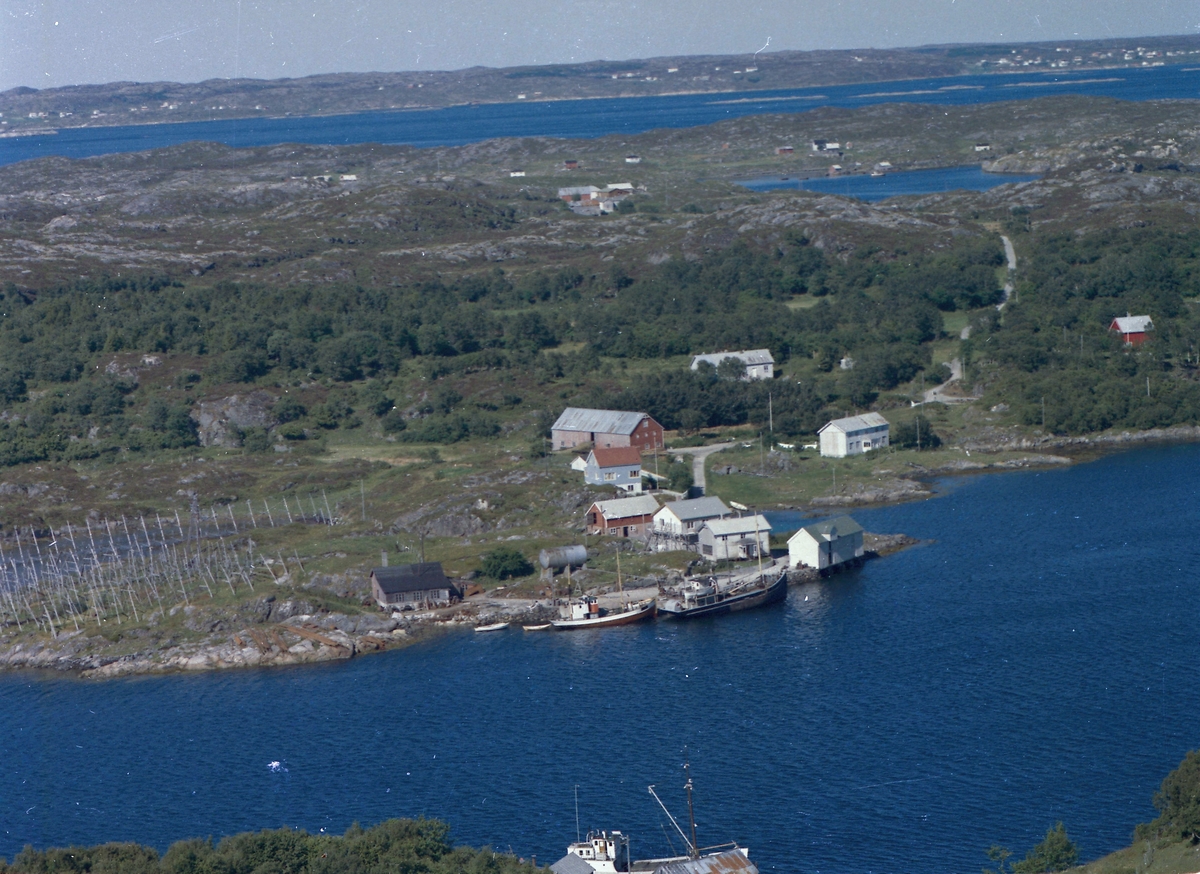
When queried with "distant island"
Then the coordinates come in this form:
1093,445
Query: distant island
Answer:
24,110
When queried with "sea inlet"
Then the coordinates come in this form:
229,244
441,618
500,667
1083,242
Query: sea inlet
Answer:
1032,661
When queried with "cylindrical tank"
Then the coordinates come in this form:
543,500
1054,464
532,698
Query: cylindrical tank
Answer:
562,556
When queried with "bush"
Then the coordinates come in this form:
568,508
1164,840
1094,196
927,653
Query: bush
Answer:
288,409
1178,804
256,440
504,562
905,434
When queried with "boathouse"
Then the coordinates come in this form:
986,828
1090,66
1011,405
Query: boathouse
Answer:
1132,329
605,429
620,467
826,544
735,539
853,435
756,363
623,517
423,584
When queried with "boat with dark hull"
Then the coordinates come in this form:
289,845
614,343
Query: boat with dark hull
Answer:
709,597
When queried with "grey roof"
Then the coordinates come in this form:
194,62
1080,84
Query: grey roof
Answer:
851,424
598,421
841,526
1134,324
710,507
625,508
749,357
729,862
572,863
418,577
739,525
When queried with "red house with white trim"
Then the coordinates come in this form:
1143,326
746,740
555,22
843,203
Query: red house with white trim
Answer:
1132,329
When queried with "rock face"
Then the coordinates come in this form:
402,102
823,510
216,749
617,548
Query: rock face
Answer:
216,420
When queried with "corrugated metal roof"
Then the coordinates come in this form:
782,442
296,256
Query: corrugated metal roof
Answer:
1133,324
417,577
572,864
850,424
598,421
742,525
624,508
729,862
749,357
620,456
843,526
578,189
697,508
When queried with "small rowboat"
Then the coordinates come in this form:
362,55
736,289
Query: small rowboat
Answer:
495,626
543,627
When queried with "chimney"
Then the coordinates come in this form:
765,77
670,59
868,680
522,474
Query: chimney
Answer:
383,558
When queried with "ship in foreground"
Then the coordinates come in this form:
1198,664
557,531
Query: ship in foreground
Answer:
586,612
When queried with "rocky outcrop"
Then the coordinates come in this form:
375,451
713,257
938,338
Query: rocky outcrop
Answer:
218,421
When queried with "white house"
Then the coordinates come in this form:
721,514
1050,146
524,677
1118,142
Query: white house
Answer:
684,518
826,544
758,362
853,435
737,538
620,468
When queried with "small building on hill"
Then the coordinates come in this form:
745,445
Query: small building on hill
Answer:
623,517
605,429
826,544
853,435
1133,329
757,363
620,467
423,584
736,539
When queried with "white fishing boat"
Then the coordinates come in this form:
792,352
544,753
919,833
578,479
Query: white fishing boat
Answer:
495,626
543,626
586,612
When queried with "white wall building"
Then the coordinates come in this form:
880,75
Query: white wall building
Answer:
735,539
854,435
758,362
826,544
683,518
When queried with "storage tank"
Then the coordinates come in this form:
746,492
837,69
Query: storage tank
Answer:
563,556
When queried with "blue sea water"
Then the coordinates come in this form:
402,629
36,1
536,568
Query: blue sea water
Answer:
872,188
1034,660
598,117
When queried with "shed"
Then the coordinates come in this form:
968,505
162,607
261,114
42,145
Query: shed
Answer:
854,435
620,467
758,363
605,429
684,518
735,539
1132,329
826,544
412,585
624,517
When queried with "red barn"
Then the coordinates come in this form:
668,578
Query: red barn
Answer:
606,429
1132,328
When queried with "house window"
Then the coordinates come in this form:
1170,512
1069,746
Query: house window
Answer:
635,473
609,477
707,549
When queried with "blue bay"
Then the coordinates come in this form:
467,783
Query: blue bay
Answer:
591,118
1032,661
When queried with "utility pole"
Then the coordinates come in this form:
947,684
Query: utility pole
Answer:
770,414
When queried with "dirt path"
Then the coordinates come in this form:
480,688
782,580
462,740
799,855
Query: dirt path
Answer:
1011,254
698,454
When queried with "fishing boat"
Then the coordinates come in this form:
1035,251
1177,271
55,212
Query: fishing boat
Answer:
544,626
495,626
711,597
586,612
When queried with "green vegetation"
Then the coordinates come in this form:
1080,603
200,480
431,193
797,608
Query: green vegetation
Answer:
397,845
1178,804
1055,852
504,562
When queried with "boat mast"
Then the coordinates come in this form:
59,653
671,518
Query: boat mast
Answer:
577,838
691,847
758,545
695,854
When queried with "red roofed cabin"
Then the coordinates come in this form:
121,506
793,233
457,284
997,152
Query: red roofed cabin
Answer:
1132,329
606,429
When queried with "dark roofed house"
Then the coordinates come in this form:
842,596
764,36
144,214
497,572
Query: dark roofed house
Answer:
423,584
